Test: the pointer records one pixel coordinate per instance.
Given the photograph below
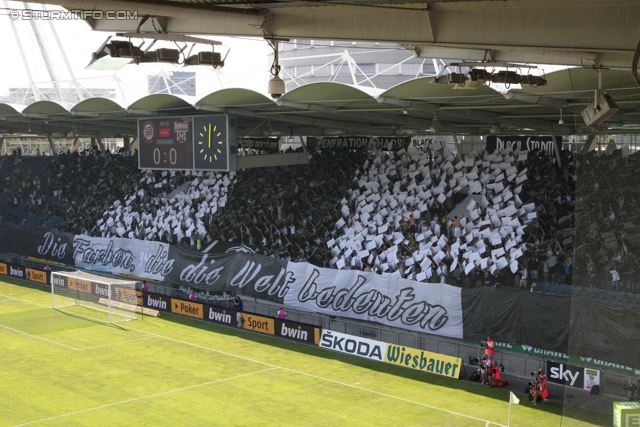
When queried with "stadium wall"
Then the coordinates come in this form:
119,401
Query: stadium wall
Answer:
586,371
439,309
408,357
24,273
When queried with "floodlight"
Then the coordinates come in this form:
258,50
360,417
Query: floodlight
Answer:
114,55
532,80
171,56
457,78
506,77
206,58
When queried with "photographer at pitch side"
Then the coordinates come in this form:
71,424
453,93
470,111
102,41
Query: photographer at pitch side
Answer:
539,391
490,347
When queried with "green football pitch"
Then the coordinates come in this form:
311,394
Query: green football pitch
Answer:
61,369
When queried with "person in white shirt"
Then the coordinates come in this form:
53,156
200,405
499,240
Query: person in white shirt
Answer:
615,279
525,276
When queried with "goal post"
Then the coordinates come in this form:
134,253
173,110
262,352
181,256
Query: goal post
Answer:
92,296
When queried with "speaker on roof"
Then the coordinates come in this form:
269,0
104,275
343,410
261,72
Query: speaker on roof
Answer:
596,113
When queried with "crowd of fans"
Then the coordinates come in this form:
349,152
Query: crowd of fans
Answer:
608,221
73,187
477,219
22,186
401,219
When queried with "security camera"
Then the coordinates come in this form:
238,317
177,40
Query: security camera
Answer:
276,88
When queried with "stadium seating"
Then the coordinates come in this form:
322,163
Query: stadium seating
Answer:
255,197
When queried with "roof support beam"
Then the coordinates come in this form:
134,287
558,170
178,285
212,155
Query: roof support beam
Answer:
289,118
51,144
574,32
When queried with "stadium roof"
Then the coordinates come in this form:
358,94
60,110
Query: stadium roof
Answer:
588,33
335,108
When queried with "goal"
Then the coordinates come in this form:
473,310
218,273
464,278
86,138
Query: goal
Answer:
92,296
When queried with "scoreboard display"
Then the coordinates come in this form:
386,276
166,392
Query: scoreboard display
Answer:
184,143
165,143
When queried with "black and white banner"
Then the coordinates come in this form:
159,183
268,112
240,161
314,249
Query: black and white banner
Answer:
522,143
434,308
424,307
266,144
363,143
43,244
241,273
122,256
420,143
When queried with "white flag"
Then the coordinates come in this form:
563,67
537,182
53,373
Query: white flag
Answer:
513,398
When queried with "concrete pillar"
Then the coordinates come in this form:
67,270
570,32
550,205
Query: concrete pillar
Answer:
75,144
458,146
100,144
589,144
556,147
51,144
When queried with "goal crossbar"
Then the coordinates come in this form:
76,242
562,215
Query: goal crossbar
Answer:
93,292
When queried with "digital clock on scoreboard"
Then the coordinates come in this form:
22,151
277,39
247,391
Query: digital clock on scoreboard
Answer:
165,143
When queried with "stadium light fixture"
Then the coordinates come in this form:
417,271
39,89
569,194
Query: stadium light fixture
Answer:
206,58
167,56
477,75
115,54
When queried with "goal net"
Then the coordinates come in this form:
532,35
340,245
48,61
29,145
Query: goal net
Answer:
92,296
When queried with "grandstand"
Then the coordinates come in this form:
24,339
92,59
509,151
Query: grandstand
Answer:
294,212
388,213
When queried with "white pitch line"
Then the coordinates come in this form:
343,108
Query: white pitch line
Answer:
294,371
24,300
114,343
394,397
144,397
37,337
323,378
55,342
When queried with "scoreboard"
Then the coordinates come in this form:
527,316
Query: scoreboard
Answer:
185,143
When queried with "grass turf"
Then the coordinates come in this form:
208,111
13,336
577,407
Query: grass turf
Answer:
61,369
